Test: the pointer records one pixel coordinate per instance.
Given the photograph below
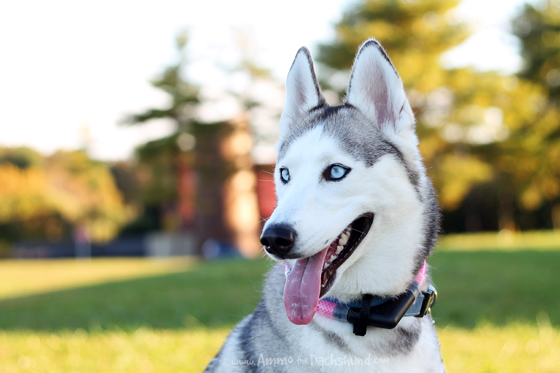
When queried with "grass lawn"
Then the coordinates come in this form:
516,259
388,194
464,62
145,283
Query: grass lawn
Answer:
25,277
498,310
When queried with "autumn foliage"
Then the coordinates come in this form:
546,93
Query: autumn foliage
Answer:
46,197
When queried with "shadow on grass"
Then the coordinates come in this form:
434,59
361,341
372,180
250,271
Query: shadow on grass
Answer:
498,287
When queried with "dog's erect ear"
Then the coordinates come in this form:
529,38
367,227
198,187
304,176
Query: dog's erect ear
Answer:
376,89
302,90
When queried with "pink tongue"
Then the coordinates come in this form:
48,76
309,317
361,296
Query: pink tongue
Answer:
303,286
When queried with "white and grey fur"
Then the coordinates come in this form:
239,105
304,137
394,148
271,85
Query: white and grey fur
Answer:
373,133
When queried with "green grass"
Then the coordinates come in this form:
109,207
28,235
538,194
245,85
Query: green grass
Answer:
26,277
495,286
516,348
498,310
502,241
144,350
213,295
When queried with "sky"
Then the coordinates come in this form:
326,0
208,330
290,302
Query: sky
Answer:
71,70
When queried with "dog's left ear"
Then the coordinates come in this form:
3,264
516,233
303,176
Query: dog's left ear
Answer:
376,89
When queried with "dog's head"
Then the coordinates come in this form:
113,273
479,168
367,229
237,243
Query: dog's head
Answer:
354,204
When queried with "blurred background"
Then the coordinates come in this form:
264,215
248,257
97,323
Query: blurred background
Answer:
150,129
147,129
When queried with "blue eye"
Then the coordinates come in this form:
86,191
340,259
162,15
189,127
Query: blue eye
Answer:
285,175
336,172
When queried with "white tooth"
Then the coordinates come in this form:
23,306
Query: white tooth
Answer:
338,250
326,265
333,257
342,241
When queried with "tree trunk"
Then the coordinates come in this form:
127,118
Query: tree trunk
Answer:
556,214
506,210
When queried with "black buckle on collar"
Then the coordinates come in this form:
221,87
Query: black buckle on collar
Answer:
360,326
385,316
430,298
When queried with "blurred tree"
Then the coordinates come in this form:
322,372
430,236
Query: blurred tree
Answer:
45,197
187,177
91,197
22,157
184,95
538,28
414,33
162,161
537,162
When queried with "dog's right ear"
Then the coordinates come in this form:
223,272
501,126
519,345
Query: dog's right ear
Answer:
302,91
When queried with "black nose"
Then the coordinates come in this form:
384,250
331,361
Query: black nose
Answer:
279,239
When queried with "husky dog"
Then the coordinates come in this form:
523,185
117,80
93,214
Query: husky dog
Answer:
355,221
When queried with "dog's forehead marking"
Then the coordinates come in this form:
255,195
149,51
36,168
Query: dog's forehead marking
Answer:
355,134
335,121
313,147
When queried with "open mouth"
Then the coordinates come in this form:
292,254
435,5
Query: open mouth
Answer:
342,248
311,277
